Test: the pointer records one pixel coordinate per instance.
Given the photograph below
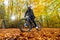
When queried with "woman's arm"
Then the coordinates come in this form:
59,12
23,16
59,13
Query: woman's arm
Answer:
26,13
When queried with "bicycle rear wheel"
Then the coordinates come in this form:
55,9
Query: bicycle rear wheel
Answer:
39,25
22,27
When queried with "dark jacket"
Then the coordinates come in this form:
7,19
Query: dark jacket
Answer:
30,13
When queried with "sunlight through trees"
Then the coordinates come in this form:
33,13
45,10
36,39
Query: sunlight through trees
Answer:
49,9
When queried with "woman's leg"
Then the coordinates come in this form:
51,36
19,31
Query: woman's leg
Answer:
34,22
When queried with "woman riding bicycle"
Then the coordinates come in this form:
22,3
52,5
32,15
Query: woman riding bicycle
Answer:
30,14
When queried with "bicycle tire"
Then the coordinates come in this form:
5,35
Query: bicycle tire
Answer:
39,25
21,24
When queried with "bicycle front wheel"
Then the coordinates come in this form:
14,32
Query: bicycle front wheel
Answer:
24,27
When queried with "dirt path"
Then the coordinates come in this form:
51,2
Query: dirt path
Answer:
44,34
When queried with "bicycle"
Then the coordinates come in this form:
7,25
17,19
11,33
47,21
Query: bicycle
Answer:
29,26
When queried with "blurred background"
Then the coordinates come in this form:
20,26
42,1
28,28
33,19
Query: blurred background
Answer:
46,11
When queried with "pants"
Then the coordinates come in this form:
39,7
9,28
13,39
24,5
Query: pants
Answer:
29,20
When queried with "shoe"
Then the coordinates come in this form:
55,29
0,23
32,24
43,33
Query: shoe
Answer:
25,25
36,27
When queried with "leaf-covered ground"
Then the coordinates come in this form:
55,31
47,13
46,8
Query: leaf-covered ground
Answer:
16,34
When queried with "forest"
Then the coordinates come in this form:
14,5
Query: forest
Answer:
46,11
